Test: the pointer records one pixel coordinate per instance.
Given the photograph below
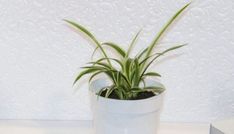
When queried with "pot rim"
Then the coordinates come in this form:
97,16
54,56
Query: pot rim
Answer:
134,107
119,100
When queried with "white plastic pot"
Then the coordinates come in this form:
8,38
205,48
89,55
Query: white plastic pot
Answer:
113,116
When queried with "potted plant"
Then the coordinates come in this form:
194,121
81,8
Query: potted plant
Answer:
126,101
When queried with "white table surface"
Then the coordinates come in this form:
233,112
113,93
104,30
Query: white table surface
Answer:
85,127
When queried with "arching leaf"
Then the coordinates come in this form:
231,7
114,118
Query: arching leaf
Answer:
173,18
118,49
152,74
89,34
160,54
133,42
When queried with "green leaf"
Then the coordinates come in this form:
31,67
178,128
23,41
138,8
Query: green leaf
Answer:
95,67
172,48
94,51
89,34
101,64
136,89
108,92
100,92
153,44
127,66
133,42
139,56
118,49
154,89
122,76
84,30
95,74
160,54
137,72
120,94
111,59
144,60
118,78
90,70
143,81
152,74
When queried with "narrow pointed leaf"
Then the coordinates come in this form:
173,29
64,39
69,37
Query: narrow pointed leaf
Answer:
137,73
111,59
101,64
139,56
166,51
118,49
108,92
127,66
152,74
94,51
84,73
84,30
89,34
153,44
100,92
95,74
154,89
133,42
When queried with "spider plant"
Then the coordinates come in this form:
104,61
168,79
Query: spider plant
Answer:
128,78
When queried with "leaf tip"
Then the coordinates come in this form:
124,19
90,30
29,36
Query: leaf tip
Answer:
66,20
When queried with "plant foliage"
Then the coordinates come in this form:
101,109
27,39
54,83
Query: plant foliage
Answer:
132,72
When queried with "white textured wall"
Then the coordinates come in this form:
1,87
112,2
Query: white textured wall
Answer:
40,55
